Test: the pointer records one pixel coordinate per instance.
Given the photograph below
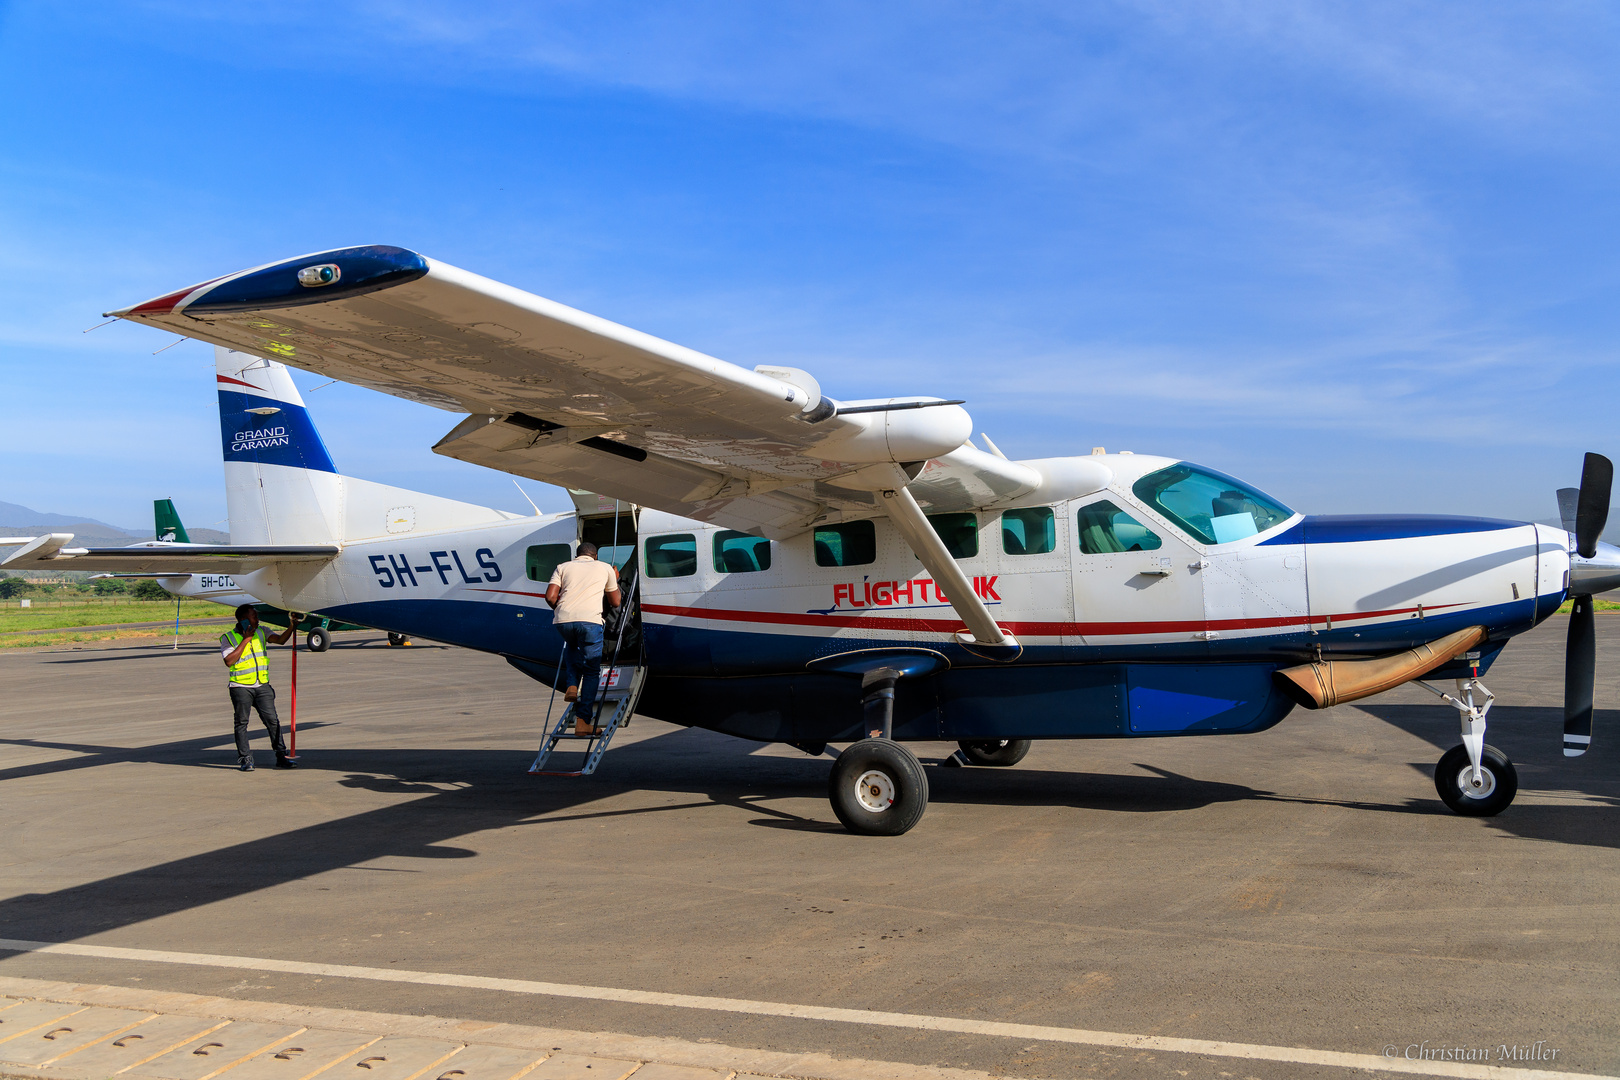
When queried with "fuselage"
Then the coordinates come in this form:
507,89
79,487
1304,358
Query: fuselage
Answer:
1136,615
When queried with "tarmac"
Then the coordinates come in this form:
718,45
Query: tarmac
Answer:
1296,903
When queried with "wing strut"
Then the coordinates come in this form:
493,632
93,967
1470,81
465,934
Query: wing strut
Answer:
930,550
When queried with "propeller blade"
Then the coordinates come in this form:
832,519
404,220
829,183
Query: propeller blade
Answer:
1568,500
1592,511
1580,671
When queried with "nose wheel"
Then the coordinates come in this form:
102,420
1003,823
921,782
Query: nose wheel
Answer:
1482,796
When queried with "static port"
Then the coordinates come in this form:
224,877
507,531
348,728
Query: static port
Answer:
313,277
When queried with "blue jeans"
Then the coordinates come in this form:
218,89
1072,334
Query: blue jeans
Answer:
582,663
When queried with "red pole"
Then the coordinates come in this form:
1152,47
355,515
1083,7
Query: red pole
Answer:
294,752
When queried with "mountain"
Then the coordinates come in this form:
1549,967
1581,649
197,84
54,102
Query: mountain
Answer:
18,520
13,512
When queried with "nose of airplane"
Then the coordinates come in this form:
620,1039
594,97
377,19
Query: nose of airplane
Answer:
1598,574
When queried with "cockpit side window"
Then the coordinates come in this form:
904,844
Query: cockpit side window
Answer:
1105,529
1211,506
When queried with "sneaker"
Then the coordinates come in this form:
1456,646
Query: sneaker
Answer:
286,763
245,766
571,694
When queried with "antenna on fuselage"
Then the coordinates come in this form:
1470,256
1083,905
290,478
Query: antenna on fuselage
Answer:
525,495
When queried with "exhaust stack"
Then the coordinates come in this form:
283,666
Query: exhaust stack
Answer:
1325,683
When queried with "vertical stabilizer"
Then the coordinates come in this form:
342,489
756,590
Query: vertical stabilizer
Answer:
280,484
166,522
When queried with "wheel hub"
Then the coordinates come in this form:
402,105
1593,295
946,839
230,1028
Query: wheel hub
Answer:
874,790
1481,790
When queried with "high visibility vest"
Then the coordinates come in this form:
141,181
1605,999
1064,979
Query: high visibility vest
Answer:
253,666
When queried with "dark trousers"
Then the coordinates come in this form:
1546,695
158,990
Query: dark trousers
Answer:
244,699
582,663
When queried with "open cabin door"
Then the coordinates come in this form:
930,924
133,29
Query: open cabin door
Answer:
610,524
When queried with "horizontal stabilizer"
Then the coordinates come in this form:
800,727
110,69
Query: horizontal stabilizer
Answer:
51,552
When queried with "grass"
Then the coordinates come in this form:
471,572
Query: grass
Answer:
1597,605
75,637
93,612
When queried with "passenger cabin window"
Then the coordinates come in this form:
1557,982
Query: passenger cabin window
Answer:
1104,529
671,556
960,533
1029,532
542,559
1210,505
854,543
739,553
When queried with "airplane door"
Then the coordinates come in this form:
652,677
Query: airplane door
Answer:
1134,584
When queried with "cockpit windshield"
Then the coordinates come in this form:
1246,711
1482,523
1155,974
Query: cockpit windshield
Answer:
1210,505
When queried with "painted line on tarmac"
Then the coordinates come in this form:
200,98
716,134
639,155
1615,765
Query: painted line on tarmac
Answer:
1397,1063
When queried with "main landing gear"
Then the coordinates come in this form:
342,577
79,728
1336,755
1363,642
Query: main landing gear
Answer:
878,787
396,641
1473,779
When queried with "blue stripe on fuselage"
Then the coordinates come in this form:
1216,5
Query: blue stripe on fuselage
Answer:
1357,528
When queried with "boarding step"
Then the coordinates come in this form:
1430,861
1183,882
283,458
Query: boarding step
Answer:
615,705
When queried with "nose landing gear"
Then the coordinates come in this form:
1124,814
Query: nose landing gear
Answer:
1473,779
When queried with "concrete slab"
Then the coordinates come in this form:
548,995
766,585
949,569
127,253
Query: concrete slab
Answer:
51,1041
303,1056
574,1067
487,1063
151,1039
656,1071
215,1052
394,1059
27,1017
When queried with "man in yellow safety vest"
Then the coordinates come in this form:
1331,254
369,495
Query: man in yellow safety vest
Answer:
243,648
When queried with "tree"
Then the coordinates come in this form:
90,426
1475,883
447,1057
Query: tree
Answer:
11,586
147,589
111,587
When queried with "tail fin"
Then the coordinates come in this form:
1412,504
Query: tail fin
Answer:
166,522
280,484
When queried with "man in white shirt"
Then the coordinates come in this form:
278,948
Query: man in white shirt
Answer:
575,594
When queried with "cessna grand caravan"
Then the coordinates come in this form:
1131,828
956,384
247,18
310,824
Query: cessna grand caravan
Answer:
809,570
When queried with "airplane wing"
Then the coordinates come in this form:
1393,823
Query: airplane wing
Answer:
50,552
562,396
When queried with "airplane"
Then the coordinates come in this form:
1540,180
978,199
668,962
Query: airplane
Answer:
222,588
810,570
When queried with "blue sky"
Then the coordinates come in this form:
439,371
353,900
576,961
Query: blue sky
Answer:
1364,255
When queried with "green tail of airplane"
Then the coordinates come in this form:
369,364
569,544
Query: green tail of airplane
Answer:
166,522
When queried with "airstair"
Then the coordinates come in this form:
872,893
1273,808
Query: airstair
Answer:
623,676
615,705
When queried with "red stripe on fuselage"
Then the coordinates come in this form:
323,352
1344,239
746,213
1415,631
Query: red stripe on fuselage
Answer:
1029,629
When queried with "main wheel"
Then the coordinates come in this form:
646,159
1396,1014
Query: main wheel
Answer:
878,788
1454,780
995,751
319,639
396,640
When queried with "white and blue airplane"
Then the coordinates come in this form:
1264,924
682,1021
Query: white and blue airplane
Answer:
810,571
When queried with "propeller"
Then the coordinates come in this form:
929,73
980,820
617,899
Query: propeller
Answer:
1584,511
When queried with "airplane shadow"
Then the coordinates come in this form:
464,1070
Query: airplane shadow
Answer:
1562,800
466,792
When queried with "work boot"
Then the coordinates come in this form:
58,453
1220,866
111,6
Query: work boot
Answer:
571,694
285,762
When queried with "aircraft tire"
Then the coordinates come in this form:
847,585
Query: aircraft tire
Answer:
1501,782
319,639
878,788
397,640
999,752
